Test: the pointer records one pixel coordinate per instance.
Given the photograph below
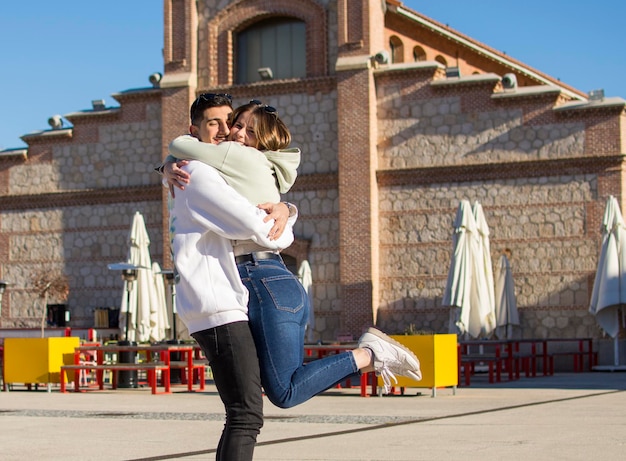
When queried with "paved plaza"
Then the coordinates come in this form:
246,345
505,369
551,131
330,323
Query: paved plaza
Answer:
578,416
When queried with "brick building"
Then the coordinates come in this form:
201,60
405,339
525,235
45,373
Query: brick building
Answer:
398,117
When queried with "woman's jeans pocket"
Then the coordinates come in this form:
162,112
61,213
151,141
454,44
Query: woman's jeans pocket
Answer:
286,292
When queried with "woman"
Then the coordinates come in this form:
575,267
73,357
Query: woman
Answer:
278,305
258,176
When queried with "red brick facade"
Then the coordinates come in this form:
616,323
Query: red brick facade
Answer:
389,150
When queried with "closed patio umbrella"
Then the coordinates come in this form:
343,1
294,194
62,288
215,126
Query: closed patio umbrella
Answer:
609,288
468,289
507,315
486,303
143,289
458,285
159,322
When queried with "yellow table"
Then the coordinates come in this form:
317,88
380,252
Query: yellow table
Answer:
438,361
37,360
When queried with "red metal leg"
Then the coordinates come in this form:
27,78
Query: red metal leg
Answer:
62,377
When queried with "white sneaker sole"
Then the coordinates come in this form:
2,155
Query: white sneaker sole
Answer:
376,332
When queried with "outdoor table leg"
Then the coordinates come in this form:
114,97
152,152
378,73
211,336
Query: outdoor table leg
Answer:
580,358
519,362
62,378
100,373
544,350
509,359
165,373
498,364
373,382
364,384
458,360
189,355
201,378
591,354
162,356
76,374
152,380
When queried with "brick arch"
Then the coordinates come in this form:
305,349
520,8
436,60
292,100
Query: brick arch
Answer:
240,15
419,54
397,49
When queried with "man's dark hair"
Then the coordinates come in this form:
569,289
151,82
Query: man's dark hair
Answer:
206,100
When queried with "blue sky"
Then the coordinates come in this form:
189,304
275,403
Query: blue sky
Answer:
56,57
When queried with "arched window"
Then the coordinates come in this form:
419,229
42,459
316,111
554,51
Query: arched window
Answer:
397,49
419,54
277,43
441,60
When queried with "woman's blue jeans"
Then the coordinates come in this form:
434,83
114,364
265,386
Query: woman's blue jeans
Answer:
230,351
278,311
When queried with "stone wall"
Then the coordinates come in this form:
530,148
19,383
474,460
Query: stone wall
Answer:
70,206
546,215
541,222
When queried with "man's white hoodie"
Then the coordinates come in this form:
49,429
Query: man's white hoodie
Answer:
204,219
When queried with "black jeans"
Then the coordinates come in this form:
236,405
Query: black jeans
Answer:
232,356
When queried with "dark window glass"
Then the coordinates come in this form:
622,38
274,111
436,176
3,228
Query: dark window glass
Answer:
277,44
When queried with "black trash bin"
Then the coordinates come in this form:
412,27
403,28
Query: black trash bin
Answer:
127,378
58,315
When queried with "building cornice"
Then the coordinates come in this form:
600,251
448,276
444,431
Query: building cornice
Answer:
615,104
136,94
81,198
528,92
92,115
45,136
469,80
278,87
20,153
494,171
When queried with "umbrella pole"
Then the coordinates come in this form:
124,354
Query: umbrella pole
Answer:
616,351
129,287
174,326
175,332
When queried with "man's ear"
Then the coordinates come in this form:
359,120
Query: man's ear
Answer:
193,129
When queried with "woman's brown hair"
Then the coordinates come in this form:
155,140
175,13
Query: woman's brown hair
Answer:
270,131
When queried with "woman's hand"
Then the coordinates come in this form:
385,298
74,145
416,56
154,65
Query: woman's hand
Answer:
279,212
175,176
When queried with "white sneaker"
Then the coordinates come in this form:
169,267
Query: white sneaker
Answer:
390,357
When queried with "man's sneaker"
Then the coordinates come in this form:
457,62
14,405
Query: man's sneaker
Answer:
390,357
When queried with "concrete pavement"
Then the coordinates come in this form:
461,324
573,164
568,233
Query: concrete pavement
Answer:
578,416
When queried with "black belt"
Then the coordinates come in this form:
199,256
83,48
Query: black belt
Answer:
256,256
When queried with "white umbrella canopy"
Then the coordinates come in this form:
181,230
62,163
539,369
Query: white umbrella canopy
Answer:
507,315
468,288
484,274
458,285
142,290
306,278
609,288
159,322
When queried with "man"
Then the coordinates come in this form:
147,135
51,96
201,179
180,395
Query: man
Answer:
206,211
209,116
211,300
